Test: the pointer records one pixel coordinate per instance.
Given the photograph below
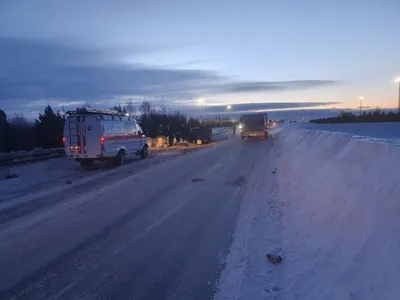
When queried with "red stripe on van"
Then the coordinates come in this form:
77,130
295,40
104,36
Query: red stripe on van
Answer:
122,137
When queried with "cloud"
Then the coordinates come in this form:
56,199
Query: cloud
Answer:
33,70
253,107
241,87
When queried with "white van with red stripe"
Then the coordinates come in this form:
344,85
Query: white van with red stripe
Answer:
91,134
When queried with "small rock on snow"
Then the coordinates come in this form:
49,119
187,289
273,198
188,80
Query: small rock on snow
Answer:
197,179
275,259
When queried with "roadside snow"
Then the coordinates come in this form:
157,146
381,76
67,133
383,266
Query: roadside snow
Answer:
32,155
45,177
221,130
34,174
333,207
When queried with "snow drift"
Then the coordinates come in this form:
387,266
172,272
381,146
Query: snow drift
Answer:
331,208
341,217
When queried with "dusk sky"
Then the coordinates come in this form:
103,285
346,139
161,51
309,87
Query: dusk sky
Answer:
300,53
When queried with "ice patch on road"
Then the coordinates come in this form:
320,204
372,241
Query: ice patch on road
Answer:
335,215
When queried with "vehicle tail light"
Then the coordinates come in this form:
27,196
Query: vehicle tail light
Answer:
64,140
102,143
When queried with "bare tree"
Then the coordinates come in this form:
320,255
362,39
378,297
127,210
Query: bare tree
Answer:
130,107
145,107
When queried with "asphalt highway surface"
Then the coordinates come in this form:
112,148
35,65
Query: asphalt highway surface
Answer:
160,232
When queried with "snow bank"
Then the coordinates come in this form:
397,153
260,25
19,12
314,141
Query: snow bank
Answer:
221,130
16,157
331,208
38,175
341,217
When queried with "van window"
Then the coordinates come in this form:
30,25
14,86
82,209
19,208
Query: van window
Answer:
107,128
129,128
138,128
119,127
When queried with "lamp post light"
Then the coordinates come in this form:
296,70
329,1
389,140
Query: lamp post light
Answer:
229,109
201,102
361,98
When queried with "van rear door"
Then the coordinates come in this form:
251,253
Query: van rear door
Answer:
83,135
91,135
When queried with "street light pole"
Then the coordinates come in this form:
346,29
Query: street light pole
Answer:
398,104
361,98
201,101
229,112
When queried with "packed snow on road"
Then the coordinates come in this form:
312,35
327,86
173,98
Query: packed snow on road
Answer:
329,206
41,177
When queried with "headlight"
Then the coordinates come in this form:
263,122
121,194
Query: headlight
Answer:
240,126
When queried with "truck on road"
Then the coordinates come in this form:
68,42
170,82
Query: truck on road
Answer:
254,125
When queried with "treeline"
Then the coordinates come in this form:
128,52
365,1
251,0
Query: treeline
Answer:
17,133
366,117
219,121
157,121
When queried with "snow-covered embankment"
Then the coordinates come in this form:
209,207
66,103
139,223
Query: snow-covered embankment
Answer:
339,201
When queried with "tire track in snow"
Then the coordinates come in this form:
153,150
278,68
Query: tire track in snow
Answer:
247,274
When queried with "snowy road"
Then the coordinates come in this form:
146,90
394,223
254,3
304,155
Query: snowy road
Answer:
161,232
36,183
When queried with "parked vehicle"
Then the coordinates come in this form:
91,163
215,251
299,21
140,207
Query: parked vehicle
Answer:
254,125
91,134
201,135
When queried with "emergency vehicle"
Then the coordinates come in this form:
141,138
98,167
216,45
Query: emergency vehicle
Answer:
92,134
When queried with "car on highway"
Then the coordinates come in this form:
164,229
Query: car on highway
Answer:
254,125
92,134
